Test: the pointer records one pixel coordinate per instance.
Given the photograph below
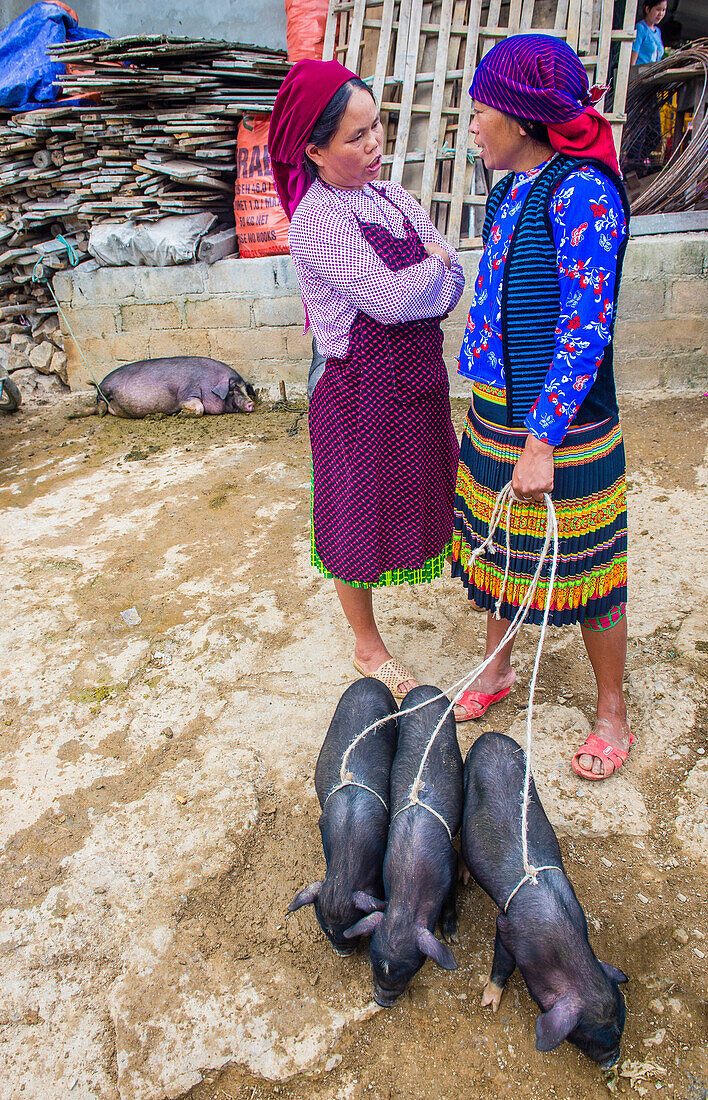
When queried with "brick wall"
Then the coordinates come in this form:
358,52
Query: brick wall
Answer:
249,314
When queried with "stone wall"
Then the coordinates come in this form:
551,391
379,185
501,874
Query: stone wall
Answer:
249,314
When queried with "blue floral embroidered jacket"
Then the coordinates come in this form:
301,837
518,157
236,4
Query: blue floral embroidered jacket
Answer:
588,227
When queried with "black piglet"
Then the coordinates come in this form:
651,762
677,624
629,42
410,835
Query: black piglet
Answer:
355,814
541,928
420,869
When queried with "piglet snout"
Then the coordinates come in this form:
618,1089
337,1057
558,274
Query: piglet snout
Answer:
343,952
384,998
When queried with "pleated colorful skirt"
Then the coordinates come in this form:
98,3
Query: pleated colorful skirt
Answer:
590,499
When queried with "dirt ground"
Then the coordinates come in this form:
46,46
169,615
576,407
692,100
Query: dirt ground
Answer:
157,808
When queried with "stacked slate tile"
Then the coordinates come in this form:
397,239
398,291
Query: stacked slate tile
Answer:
145,127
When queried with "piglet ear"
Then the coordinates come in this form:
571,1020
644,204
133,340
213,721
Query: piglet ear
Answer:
438,952
613,973
554,1026
364,927
367,903
305,897
221,389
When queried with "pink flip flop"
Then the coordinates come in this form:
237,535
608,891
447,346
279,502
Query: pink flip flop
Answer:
612,757
481,699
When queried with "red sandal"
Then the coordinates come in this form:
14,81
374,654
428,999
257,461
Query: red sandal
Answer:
612,757
481,699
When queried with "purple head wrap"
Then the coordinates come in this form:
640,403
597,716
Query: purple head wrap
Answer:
533,76
540,78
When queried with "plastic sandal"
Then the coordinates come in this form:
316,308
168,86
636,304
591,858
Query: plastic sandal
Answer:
485,702
612,757
391,673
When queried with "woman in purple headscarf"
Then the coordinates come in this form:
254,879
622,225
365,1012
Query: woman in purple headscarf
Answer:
538,349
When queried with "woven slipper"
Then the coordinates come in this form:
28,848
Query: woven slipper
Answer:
391,673
481,699
612,758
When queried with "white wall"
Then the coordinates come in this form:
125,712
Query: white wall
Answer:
259,22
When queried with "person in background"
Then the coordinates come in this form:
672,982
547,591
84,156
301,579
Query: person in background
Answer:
648,45
538,349
642,130
376,278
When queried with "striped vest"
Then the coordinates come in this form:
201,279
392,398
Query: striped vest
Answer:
530,299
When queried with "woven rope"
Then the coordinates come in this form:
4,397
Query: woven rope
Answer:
529,878
353,783
416,802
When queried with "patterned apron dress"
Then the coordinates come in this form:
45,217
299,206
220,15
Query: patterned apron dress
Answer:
384,450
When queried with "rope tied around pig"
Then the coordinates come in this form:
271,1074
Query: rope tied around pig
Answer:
350,781
505,500
415,801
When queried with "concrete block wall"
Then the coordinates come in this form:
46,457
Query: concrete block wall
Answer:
661,336
662,326
249,314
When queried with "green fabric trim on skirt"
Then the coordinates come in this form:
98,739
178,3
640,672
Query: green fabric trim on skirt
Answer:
428,571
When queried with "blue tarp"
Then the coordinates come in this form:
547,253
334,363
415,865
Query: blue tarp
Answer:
27,74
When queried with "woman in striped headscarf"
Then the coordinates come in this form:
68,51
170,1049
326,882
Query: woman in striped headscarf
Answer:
538,349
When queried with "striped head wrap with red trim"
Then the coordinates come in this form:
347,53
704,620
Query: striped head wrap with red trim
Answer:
538,77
